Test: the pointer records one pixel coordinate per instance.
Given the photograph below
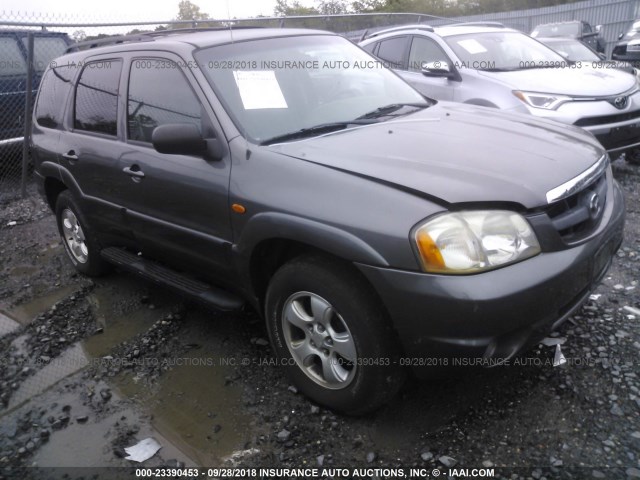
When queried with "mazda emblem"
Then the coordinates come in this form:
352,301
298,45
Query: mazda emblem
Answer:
594,205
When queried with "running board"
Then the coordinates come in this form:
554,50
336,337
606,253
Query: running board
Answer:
162,275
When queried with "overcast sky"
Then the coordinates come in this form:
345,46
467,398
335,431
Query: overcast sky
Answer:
133,9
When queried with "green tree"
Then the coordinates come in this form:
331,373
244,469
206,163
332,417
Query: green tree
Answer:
285,8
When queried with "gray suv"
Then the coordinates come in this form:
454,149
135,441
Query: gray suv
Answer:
374,231
494,66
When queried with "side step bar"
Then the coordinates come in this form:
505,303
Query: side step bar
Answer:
164,276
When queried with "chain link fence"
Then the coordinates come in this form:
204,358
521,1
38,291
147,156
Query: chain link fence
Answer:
29,42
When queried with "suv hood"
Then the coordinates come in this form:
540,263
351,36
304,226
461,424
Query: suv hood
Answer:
458,153
584,81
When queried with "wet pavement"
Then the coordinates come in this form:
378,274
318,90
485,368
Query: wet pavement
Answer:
91,366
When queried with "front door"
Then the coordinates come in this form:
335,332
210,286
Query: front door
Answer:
177,205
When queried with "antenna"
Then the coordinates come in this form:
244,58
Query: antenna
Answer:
229,21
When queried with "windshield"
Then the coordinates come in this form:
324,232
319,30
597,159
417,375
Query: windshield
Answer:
557,30
503,51
574,50
272,87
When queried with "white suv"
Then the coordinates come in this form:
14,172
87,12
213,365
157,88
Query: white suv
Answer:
490,65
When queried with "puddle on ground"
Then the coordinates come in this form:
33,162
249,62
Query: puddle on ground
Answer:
26,312
23,270
192,406
119,324
69,362
95,448
7,325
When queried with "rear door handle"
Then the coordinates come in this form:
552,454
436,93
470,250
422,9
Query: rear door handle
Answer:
134,173
71,155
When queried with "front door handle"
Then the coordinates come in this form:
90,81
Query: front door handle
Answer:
71,155
137,173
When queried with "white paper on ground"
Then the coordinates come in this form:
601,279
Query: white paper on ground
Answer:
472,46
558,358
259,89
143,450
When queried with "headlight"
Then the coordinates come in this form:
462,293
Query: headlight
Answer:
474,241
548,101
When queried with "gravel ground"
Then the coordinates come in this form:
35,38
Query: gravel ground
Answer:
93,366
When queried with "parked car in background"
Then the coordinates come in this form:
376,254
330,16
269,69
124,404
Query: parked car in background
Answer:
13,75
373,230
628,47
578,29
577,51
494,66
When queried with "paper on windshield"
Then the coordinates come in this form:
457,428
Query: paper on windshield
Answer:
472,46
259,89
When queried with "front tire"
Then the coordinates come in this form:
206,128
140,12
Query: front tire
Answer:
332,335
79,243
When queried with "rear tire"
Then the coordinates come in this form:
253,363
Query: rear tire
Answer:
332,335
79,242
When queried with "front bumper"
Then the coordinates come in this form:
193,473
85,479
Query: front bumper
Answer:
496,314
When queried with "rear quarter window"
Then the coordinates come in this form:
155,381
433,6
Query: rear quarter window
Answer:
54,90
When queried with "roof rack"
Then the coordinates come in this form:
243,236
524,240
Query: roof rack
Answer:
477,24
427,28
145,37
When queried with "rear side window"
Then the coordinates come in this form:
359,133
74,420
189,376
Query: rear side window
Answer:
96,105
159,94
393,50
13,62
53,92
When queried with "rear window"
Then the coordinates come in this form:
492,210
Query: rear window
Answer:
54,89
96,105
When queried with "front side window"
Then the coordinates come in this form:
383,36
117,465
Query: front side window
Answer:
45,49
159,94
53,93
13,62
96,105
424,50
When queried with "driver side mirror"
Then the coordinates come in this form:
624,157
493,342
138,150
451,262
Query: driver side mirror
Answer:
620,36
598,28
436,69
185,139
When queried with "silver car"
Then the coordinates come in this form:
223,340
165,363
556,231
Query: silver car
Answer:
494,66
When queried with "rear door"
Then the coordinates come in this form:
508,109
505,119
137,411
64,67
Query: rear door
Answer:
92,144
177,205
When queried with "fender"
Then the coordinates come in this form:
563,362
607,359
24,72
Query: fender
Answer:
273,225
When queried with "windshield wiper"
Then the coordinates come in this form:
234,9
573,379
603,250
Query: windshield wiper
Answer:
315,130
387,110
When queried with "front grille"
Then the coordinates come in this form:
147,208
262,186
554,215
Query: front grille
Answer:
575,217
603,120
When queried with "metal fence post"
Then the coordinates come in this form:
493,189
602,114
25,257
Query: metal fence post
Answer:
27,114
